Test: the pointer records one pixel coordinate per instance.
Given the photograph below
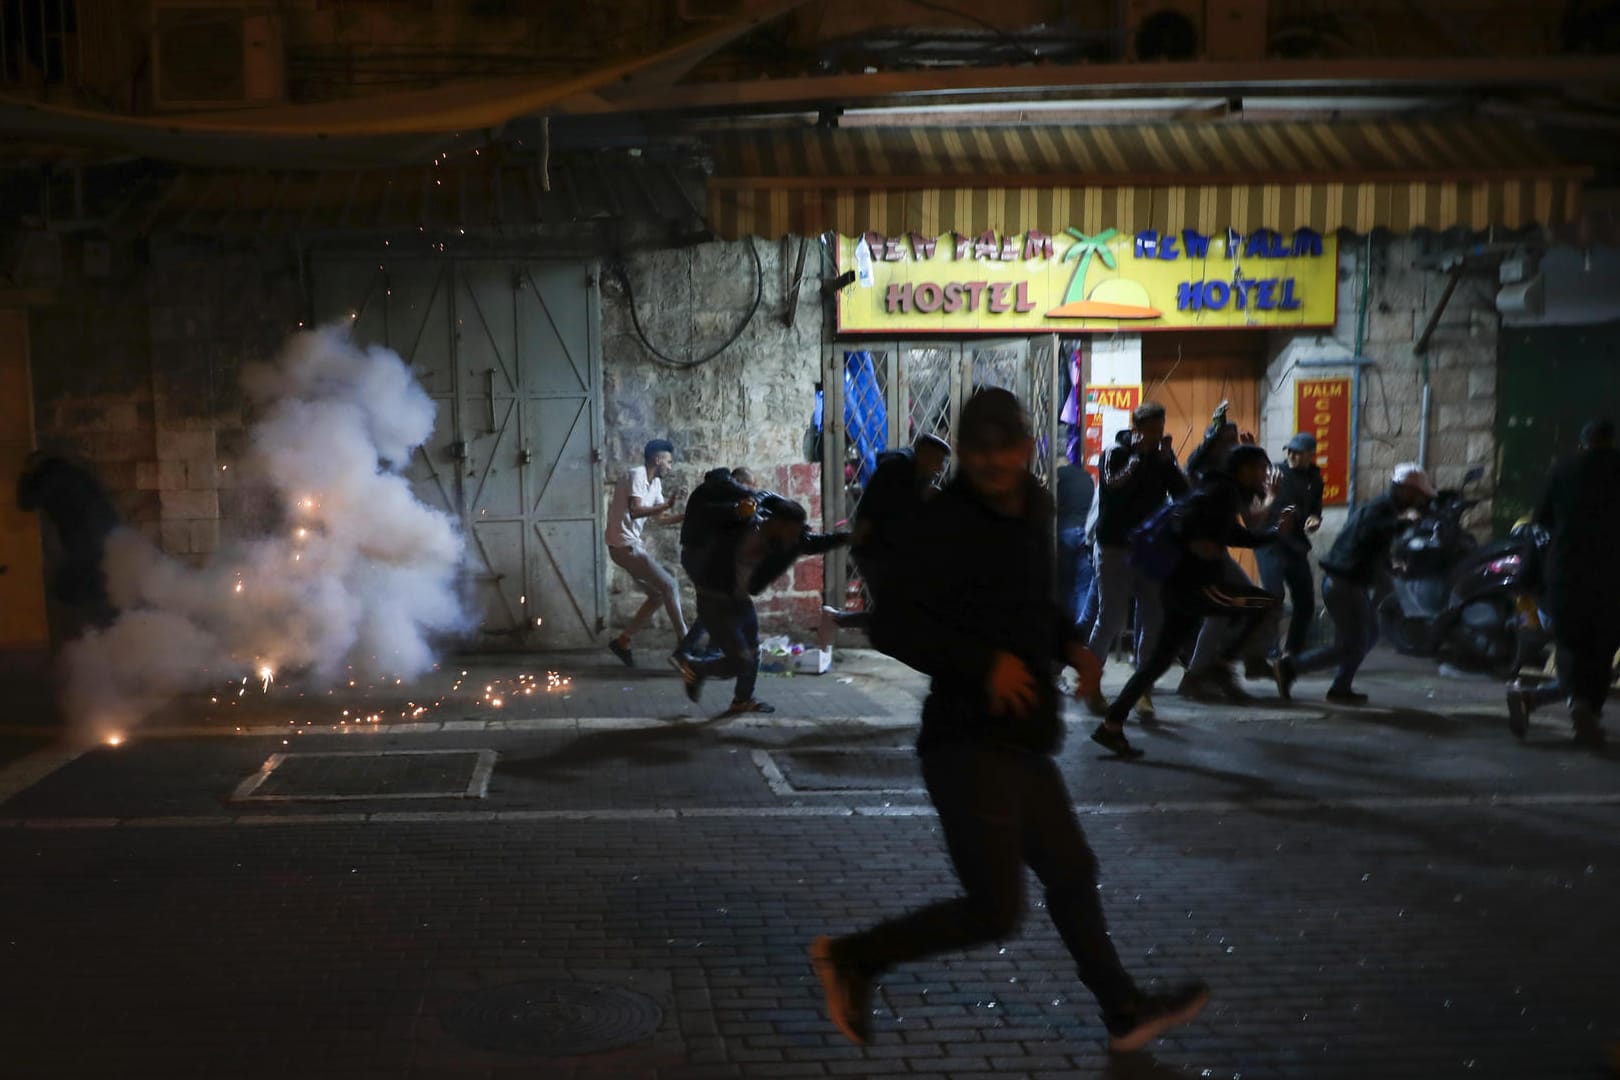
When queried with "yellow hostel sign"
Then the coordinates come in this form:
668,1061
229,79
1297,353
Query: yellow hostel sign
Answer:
997,283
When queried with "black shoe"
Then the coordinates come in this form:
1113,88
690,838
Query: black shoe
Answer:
1518,707
752,705
1114,742
1588,733
1200,688
622,652
1343,695
1255,669
848,992
693,682
1286,672
1154,1014
1224,682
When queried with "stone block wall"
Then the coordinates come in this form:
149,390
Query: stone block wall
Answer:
750,405
1461,361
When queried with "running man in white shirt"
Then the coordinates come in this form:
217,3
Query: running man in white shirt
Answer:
639,496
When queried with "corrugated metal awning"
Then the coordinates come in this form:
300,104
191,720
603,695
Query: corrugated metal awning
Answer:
1399,175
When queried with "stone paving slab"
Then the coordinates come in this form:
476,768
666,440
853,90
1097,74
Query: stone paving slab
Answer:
1339,944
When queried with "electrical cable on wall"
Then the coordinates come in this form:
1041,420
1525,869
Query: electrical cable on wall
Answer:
622,274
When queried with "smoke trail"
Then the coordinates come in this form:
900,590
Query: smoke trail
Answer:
357,571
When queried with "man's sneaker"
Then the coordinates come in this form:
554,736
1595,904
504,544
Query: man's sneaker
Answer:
1343,695
1286,672
1224,682
622,652
1196,686
1587,730
691,680
1518,707
1145,710
752,705
1151,1015
1114,742
848,992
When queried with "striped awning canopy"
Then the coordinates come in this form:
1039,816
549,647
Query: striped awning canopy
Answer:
1398,175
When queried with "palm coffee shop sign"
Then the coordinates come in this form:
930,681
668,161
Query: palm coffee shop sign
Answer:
1004,283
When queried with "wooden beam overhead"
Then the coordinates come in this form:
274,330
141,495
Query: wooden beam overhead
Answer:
1099,80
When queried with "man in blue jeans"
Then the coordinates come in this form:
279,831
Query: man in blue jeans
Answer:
1350,571
1287,563
976,611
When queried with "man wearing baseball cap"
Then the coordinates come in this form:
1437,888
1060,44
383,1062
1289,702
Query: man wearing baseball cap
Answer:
976,611
1287,563
1350,571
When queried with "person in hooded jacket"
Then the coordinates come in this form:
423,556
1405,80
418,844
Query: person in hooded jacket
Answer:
977,611
749,540
1203,524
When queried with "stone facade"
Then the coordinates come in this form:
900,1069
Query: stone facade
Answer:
137,372
1461,360
748,406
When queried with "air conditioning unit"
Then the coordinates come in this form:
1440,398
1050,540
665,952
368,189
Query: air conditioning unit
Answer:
216,55
1197,29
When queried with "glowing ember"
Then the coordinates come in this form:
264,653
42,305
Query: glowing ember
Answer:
495,702
115,739
267,675
238,586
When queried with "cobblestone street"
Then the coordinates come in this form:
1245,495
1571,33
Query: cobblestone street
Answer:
1399,891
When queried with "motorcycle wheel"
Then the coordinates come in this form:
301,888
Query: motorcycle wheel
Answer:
1406,636
1487,638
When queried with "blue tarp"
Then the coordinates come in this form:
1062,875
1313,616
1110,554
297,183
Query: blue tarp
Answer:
866,414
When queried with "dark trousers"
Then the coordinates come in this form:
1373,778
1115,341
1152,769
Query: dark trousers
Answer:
1188,601
1587,634
1286,567
733,627
1002,809
1355,630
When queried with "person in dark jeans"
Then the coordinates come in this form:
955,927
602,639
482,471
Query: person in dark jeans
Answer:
1351,571
1203,524
1075,493
755,540
899,485
1581,511
977,612
1286,564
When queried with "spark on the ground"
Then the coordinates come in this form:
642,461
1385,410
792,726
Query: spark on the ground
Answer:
267,675
115,739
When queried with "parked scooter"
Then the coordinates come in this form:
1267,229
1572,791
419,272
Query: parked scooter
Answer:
1449,596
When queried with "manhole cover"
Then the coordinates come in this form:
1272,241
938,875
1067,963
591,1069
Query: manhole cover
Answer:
375,774
553,1018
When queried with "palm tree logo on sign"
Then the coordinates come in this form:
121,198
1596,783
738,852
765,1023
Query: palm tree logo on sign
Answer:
1115,298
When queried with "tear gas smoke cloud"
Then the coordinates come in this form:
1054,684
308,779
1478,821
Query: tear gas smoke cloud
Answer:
358,572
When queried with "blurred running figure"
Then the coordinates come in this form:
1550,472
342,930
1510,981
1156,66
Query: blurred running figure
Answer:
1351,571
1197,530
978,613
1582,512
1139,475
639,496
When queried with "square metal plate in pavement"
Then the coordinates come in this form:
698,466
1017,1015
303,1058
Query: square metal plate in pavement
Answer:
362,774
875,770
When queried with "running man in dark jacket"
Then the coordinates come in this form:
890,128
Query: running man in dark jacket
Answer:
1204,524
74,501
1581,508
1351,571
980,616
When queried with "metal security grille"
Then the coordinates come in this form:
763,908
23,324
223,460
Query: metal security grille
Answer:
884,394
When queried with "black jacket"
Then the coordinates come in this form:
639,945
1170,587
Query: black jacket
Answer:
1075,492
1581,508
1362,548
767,561
1210,513
891,497
716,521
1301,489
1126,500
976,583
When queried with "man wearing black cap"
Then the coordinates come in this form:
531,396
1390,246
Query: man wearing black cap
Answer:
1581,512
978,613
1287,563
1199,529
